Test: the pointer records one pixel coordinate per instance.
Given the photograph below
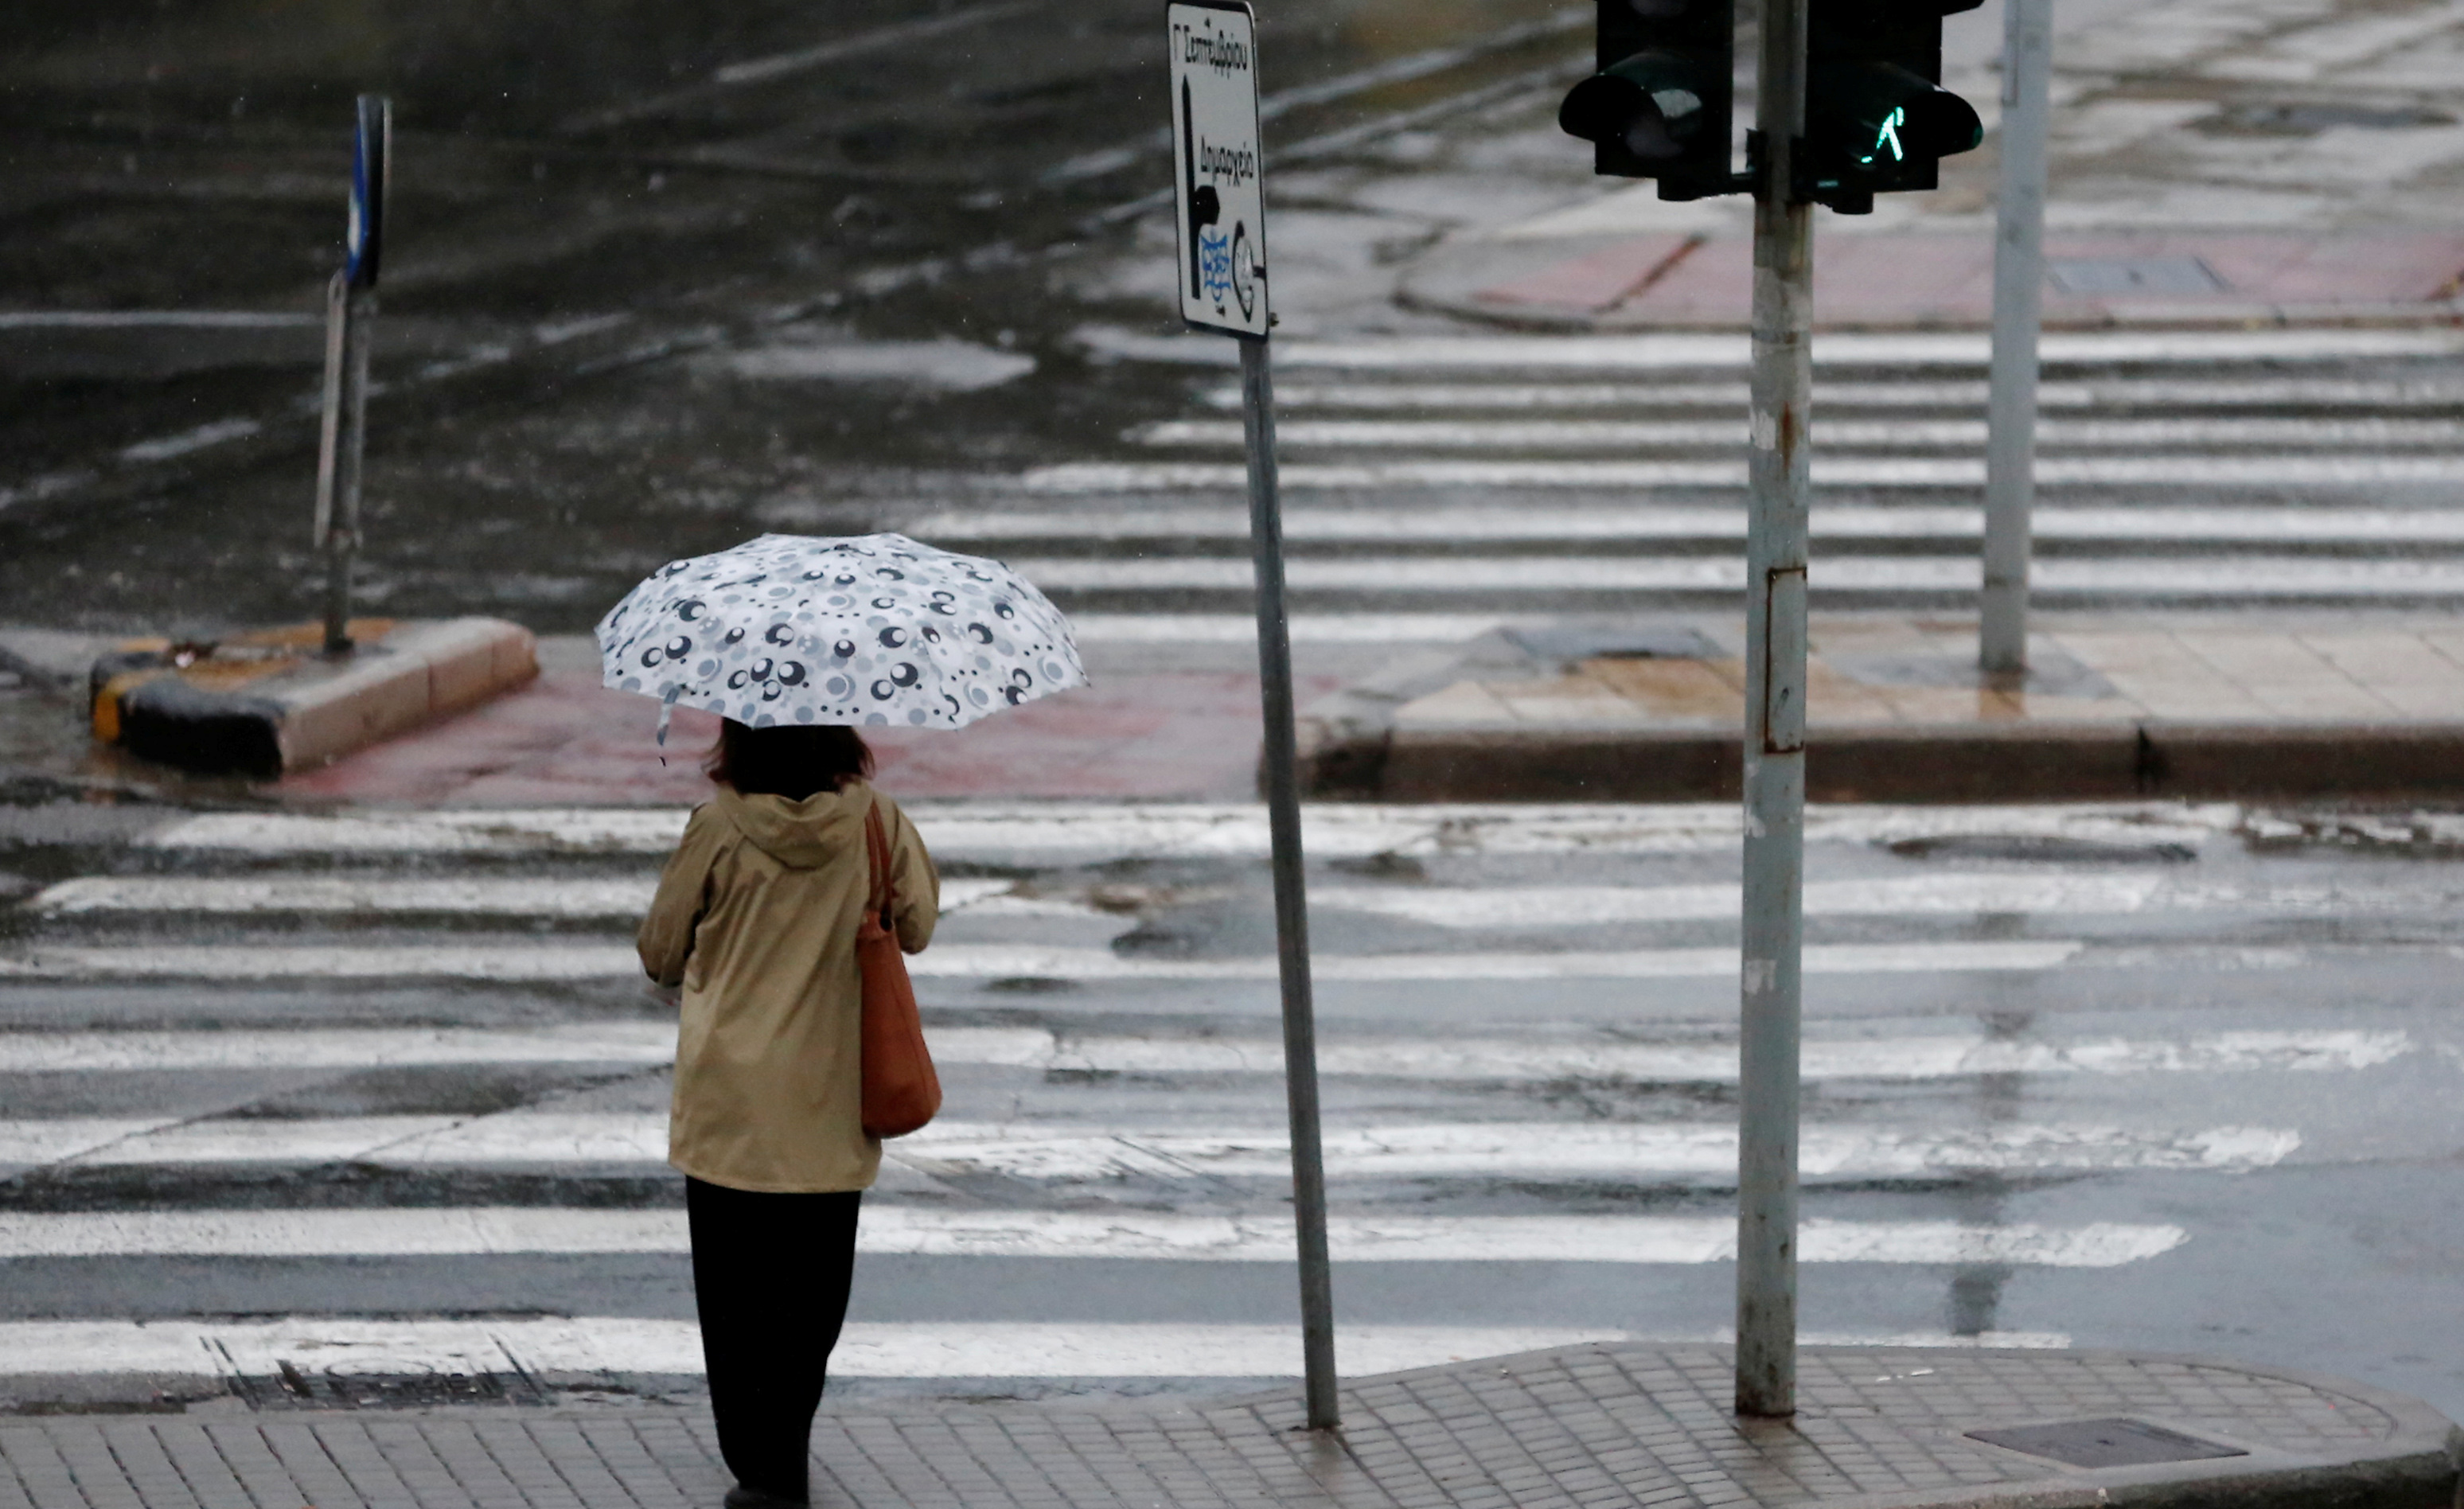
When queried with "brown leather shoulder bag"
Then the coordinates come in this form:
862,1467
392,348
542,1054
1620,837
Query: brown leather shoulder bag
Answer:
901,1092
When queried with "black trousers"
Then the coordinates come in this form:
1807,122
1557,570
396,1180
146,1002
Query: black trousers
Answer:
770,1279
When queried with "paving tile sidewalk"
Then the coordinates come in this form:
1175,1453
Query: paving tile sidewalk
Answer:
2114,704
1600,1425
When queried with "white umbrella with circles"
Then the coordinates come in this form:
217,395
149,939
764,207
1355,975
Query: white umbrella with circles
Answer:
875,630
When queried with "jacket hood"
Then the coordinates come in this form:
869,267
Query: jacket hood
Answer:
801,835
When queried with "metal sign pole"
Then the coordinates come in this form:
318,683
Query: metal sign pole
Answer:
1774,734
2018,294
350,323
1292,901
1217,162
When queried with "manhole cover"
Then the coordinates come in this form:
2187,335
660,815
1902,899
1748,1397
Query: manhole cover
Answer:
2110,276
2106,1443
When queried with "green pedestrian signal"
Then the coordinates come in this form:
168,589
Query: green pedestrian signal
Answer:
1877,117
1659,106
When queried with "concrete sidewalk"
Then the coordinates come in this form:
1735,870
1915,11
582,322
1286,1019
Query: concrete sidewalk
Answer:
2114,706
1594,1426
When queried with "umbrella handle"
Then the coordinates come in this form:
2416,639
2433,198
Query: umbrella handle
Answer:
667,713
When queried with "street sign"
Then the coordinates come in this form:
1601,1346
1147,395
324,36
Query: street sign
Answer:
1216,165
371,160
1220,216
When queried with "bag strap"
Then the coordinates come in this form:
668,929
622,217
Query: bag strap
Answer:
884,894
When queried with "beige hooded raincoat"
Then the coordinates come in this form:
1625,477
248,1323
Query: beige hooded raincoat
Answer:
756,919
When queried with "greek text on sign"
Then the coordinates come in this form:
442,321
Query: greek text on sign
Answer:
1216,166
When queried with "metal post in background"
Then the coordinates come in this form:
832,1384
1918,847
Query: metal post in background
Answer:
1775,734
350,324
2018,296
1291,899
349,314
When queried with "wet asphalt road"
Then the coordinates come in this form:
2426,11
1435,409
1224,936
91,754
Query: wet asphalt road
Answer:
601,209
586,200
2168,1078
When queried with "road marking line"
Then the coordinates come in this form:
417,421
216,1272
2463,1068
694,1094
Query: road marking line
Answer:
1677,352
1450,1056
564,961
1622,1153
2214,471
1662,352
2123,393
1460,525
2210,577
202,437
1601,434
581,897
1960,895
1394,71
1470,907
997,833
911,1230
155,319
781,65
602,1345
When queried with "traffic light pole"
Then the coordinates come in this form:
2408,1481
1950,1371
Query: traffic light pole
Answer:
1774,736
2019,294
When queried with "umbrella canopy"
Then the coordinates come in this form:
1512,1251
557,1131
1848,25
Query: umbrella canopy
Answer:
869,629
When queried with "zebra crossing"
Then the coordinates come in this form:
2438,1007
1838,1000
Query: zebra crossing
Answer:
217,1160
1437,486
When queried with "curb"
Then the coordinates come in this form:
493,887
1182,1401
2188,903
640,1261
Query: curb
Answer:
267,703
1359,744
1953,763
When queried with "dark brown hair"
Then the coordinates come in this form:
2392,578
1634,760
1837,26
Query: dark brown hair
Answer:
790,760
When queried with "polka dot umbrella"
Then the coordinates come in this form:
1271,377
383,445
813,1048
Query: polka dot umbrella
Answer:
871,629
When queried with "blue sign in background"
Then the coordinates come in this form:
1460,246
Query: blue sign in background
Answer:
371,152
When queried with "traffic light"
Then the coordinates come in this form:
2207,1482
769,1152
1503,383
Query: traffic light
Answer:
1658,108
1877,120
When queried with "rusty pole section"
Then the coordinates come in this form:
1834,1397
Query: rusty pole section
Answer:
1774,738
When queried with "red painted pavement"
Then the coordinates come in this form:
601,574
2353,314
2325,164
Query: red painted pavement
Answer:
564,740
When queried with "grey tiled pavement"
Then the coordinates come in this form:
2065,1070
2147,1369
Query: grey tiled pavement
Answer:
1619,1424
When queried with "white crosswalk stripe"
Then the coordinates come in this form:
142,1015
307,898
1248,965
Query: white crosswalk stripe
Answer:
2238,469
2207,469
1314,395
1075,1140
1491,1149
2072,893
1454,1056
1065,832
1963,434
889,1229
1540,525
535,961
